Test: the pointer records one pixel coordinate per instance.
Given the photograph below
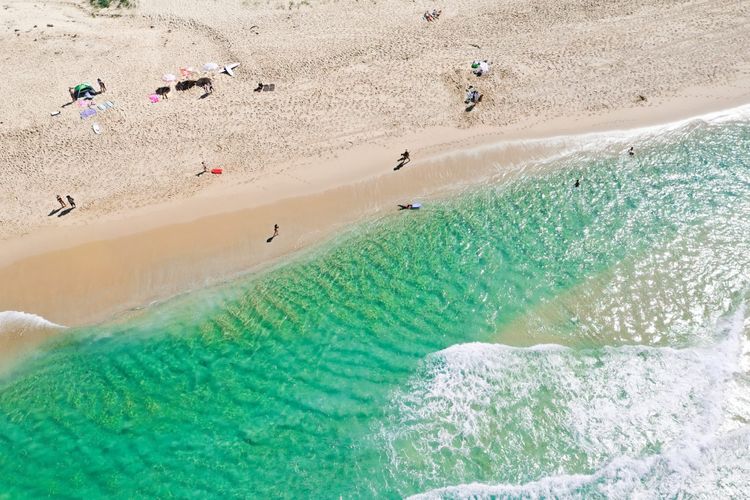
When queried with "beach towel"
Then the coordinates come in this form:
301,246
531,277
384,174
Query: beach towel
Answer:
269,87
101,107
154,98
109,104
87,113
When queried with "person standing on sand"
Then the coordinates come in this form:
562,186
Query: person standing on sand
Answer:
61,202
102,87
71,201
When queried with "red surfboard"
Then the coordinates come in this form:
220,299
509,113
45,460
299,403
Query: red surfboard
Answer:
216,170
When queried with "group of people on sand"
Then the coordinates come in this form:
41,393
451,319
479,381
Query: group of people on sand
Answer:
432,16
70,199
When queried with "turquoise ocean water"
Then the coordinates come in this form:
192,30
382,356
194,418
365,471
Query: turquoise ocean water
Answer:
520,339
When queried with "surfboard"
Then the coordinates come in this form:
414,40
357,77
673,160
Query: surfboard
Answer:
229,68
216,170
97,128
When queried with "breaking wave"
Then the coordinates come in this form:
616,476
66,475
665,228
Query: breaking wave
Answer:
553,421
16,322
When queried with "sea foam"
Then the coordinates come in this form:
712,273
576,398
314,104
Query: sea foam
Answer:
637,420
17,322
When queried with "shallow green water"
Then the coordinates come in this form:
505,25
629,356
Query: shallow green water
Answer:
380,364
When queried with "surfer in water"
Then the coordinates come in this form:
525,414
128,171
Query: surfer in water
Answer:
578,183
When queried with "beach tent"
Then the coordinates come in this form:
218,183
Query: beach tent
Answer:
84,91
480,68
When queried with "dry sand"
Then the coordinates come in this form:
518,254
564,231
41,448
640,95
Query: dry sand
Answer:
356,83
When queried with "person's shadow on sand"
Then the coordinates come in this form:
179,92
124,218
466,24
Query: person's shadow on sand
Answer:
66,211
53,212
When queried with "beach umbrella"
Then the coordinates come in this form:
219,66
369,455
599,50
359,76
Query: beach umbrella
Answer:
169,77
210,67
82,86
186,72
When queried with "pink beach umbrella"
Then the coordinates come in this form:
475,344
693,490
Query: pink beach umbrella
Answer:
186,72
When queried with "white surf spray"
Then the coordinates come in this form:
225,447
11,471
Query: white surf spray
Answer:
628,421
16,322
20,334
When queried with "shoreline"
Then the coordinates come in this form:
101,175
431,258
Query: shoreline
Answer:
81,275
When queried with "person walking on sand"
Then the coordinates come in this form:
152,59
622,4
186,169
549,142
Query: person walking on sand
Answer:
71,201
102,87
275,233
403,160
61,202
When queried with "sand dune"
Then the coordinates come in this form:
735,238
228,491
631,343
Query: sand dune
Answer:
347,73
